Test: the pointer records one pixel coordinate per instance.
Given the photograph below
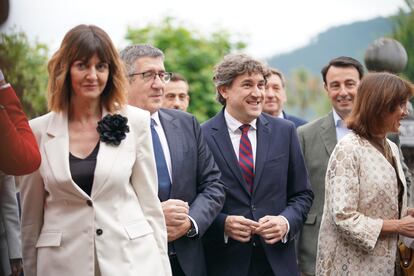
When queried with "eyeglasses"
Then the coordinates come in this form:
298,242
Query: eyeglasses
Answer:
151,75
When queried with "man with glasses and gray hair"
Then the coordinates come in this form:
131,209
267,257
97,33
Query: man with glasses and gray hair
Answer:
189,184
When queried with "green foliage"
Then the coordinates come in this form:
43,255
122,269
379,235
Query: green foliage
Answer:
191,54
24,66
306,96
404,33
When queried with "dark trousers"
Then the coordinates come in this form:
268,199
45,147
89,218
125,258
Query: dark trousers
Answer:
259,265
175,266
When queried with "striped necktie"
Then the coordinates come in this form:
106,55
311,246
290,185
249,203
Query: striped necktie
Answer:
246,157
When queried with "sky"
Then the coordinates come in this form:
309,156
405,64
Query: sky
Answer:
268,27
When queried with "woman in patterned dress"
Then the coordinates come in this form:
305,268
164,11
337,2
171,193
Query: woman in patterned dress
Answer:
365,194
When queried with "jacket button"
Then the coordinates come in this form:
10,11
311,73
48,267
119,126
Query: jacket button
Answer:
253,208
89,202
99,232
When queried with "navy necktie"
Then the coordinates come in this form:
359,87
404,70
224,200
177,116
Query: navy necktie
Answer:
164,182
246,157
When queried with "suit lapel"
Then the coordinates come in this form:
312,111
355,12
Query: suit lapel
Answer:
263,140
57,152
328,133
105,162
176,139
222,139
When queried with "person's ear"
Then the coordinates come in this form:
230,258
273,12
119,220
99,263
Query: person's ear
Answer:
223,91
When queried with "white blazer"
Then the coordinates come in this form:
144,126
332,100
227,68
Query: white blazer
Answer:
121,223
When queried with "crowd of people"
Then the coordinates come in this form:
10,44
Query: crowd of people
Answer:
119,179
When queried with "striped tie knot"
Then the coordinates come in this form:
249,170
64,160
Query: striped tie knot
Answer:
244,128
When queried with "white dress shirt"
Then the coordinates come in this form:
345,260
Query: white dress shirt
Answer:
235,134
340,127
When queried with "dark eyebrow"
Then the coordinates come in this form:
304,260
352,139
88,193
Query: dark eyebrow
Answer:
247,81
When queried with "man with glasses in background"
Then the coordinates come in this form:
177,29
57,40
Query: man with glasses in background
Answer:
189,184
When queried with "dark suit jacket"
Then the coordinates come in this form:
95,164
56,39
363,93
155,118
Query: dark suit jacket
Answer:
296,120
281,187
195,179
19,153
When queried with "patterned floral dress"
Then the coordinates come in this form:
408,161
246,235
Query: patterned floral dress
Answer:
361,189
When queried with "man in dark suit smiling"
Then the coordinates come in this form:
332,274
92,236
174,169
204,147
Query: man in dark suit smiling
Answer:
268,193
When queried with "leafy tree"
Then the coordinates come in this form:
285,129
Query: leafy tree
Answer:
24,66
306,96
191,54
404,33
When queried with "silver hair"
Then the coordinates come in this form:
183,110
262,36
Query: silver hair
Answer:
131,53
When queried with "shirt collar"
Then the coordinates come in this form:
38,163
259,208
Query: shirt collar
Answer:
156,118
337,119
233,124
281,115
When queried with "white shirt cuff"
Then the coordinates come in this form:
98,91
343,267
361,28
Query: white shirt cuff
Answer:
285,238
226,238
194,223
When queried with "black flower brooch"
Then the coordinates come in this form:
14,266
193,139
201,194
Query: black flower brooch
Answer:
112,129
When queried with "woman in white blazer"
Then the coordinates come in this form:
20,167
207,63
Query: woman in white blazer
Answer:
92,206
